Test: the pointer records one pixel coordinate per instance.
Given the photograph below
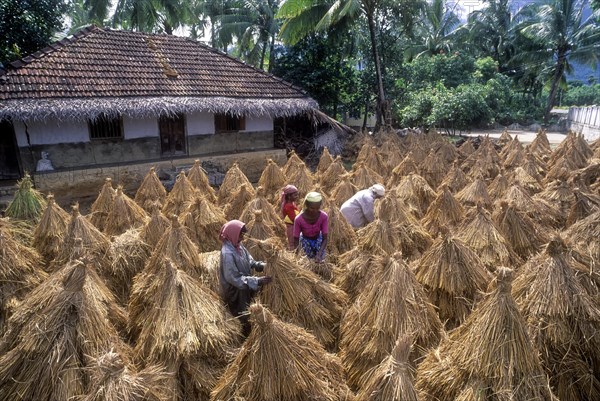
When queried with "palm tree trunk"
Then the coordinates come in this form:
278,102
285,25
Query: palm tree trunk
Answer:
560,69
263,52
381,113
271,55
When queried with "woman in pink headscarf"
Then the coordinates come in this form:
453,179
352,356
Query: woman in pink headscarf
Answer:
289,211
238,285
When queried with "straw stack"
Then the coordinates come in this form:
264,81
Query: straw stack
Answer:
68,319
324,161
299,296
113,379
393,305
20,272
560,194
354,277
272,180
489,357
293,162
540,145
363,176
51,230
522,178
124,214
539,210
238,201
233,180
341,237
392,210
158,224
406,167
151,191
475,194
128,254
416,193
393,379
343,191
260,230
467,148
412,240
375,162
204,221
444,212
584,205
199,180
498,187
434,169
281,361
563,320
102,205
28,203
182,193
180,324
455,179
330,178
299,175
584,236
453,276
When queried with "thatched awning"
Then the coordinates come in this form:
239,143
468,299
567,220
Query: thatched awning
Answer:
140,107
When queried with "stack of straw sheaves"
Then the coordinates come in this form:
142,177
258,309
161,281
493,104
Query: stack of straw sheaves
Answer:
477,280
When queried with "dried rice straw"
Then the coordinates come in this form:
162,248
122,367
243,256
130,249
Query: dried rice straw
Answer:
444,212
199,180
27,203
324,161
102,205
182,193
204,221
523,234
158,224
151,191
238,201
51,230
124,214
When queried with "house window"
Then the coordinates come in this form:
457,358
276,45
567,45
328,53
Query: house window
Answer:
105,127
229,123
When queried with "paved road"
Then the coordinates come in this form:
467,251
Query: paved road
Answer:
524,136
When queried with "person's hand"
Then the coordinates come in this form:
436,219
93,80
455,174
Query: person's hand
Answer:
320,256
260,266
264,280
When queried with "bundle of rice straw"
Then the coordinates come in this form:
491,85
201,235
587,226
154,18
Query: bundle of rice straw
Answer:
60,326
204,221
489,357
182,193
324,161
375,162
448,153
582,145
560,194
299,296
467,148
354,277
128,254
391,209
416,193
484,238
113,379
20,272
341,237
293,162
392,152
177,246
542,212
270,216
406,167
102,205
534,166
444,212
505,138
588,175
584,205
485,164
184,326
475,194
91,239
498,187
151,191
570,150
508,147
300,176
584,236
523,234
343,191
455,179
561,170
418,153
514,159
411,239
234,179
50,230
363,177
124,214
238,201
453,277
520,177
158,224
212,261
281,361
272,180
258,229
199,180
563,320
434,169
394,304
365,150
393,379
540,145
28,203
330,178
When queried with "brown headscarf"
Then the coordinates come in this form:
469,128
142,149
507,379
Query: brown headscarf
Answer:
231,232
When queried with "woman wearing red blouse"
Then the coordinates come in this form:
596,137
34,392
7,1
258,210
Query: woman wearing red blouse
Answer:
289,211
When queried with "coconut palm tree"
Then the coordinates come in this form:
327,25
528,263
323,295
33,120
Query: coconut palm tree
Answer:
560,35
152,15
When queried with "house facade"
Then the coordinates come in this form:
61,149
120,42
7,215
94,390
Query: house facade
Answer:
106,98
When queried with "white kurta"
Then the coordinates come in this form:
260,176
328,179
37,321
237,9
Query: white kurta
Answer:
360,209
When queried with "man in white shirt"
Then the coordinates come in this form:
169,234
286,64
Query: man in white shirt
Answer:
360,209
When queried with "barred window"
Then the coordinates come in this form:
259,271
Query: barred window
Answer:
229,123
105,127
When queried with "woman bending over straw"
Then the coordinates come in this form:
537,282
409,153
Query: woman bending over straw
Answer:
311,228
238,285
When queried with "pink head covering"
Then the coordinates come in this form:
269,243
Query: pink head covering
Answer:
231,232
288,189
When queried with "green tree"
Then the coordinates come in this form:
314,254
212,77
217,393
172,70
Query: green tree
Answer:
559,34
152,15
28,25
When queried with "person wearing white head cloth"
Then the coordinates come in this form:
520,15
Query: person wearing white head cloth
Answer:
311,228
360,209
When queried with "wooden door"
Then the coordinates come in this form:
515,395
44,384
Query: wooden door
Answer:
9,158
172,136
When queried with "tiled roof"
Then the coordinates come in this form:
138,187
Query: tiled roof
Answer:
105,65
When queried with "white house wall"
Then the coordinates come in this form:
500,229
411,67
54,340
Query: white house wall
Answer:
200,124
51,133
255,124
140,128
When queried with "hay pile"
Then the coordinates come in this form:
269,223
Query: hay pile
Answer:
330,178
523,234
406,167
204,221
584,205
453,277
416,193
455,179
69,319
584,236
292,163
51,230
102,205
28,203
444,212
124,214
343,191
364,177
238,202
489,357
475,194
150,192
233,180
184,326
260,230
158,224
498,187
545,214
563,320
394,304
281,361
392,210
354,276
341,237
272,180
301,177
183,192
324,161
434,169
199,180
393,379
